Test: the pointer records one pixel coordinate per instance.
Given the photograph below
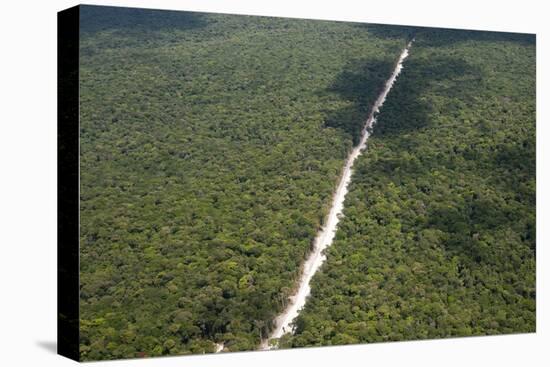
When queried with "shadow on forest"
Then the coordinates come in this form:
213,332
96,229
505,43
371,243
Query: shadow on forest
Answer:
95,19
360,82
456,82
355,84
388,31
436,37
444,76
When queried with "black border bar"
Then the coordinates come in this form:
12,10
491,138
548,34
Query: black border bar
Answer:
68,183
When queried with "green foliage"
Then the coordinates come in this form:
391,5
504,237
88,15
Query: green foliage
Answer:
210,147
211,144
438,238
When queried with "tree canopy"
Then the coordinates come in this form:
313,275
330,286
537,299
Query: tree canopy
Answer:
210,147
438,234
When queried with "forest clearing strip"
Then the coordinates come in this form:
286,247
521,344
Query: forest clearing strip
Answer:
325,236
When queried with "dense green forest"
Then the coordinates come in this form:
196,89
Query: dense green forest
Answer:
438,237
210,146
